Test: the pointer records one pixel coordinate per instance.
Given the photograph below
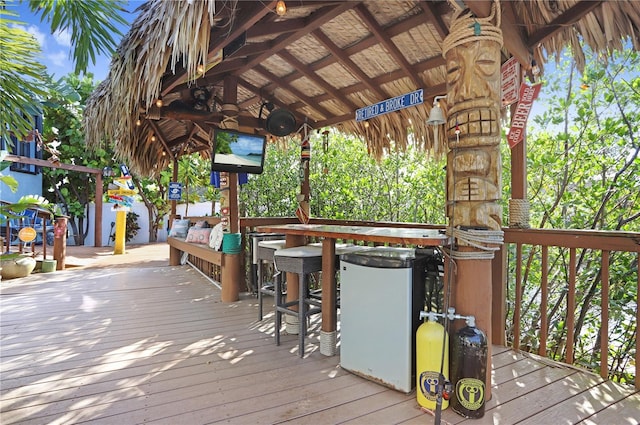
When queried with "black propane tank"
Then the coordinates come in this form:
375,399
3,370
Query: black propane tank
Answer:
469,370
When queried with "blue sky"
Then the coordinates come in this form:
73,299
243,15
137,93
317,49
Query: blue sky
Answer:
56,48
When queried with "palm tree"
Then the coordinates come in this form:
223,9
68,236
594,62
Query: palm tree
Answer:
92,24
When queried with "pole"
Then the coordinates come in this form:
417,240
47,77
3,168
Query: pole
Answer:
121,227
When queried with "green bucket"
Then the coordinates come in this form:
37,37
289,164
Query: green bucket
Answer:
49,266
231,243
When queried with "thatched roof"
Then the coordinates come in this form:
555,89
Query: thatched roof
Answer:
322,60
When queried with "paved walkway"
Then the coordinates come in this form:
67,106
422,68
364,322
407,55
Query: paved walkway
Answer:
146,255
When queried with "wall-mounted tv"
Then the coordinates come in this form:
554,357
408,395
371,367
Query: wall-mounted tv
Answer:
237,152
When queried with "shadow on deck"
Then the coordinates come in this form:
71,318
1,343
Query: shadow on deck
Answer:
129,339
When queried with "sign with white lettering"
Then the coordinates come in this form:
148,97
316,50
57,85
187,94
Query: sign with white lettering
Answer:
175,191
519,120
510,81
390,105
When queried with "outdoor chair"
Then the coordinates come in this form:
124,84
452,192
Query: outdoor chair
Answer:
302,260
263,248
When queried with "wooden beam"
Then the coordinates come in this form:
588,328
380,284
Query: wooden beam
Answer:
297,93
436,17
160,135
45,163
314,21
249,16
384,39
349,64
567,18
512,35
311,75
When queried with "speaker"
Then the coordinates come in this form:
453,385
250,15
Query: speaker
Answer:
280,122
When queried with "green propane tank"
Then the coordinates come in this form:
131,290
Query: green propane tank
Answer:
468,370
430,337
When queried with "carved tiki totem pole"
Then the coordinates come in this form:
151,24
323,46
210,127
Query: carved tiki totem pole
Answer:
472,55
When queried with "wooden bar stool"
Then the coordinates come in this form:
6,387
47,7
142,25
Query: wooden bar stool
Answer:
264,253
302,260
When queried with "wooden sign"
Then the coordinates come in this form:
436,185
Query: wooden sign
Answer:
519,121
510,72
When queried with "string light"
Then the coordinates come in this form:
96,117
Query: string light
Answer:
200,69
281,8
159,103
138,122
153,138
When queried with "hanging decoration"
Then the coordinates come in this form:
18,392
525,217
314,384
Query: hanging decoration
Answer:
325,149
302,212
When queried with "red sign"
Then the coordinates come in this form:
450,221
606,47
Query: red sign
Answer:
519,120
510,71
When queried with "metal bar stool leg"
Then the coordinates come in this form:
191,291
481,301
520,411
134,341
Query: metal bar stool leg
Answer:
259,288
302,313
278,300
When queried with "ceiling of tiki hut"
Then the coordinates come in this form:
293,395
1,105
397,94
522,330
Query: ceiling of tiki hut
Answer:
322,60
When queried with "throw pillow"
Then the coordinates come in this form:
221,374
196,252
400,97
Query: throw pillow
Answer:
200,224
199,235
215,239
179,228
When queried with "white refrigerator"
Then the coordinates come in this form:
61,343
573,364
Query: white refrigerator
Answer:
381,295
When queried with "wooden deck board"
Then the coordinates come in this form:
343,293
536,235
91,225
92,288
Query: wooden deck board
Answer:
623,412
583,405
151,344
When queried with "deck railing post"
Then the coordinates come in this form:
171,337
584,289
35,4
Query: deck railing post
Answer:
499,296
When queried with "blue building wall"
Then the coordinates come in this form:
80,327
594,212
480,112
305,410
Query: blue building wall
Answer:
29,177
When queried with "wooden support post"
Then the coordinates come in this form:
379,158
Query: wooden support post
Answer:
60,241
499,296
231,275
472,296
97,239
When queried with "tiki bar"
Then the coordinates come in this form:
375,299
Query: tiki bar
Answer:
388,322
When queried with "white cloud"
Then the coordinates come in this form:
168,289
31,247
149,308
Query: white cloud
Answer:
60,59
40,37
63,38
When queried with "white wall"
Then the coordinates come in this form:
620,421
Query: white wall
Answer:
108,216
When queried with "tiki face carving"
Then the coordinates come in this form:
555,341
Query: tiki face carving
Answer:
473,133
473,81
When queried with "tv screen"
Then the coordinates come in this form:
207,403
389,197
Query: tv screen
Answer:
237,152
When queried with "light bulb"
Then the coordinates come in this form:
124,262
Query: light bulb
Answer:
159,103
281,8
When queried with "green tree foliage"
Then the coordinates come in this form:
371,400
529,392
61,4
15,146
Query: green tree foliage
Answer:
346,183
21,75
583,174
153,192
93,27
64,141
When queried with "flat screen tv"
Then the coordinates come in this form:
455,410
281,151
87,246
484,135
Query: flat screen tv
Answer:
237,152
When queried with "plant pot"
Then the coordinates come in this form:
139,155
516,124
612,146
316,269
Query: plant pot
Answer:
49,266
17,267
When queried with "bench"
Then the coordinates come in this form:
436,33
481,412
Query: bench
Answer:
222,269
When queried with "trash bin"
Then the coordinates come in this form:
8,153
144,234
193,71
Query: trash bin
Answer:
381,295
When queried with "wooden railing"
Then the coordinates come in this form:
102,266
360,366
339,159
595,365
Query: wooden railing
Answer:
512,277
525,257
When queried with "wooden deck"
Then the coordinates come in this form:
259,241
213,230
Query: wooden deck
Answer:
129,340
